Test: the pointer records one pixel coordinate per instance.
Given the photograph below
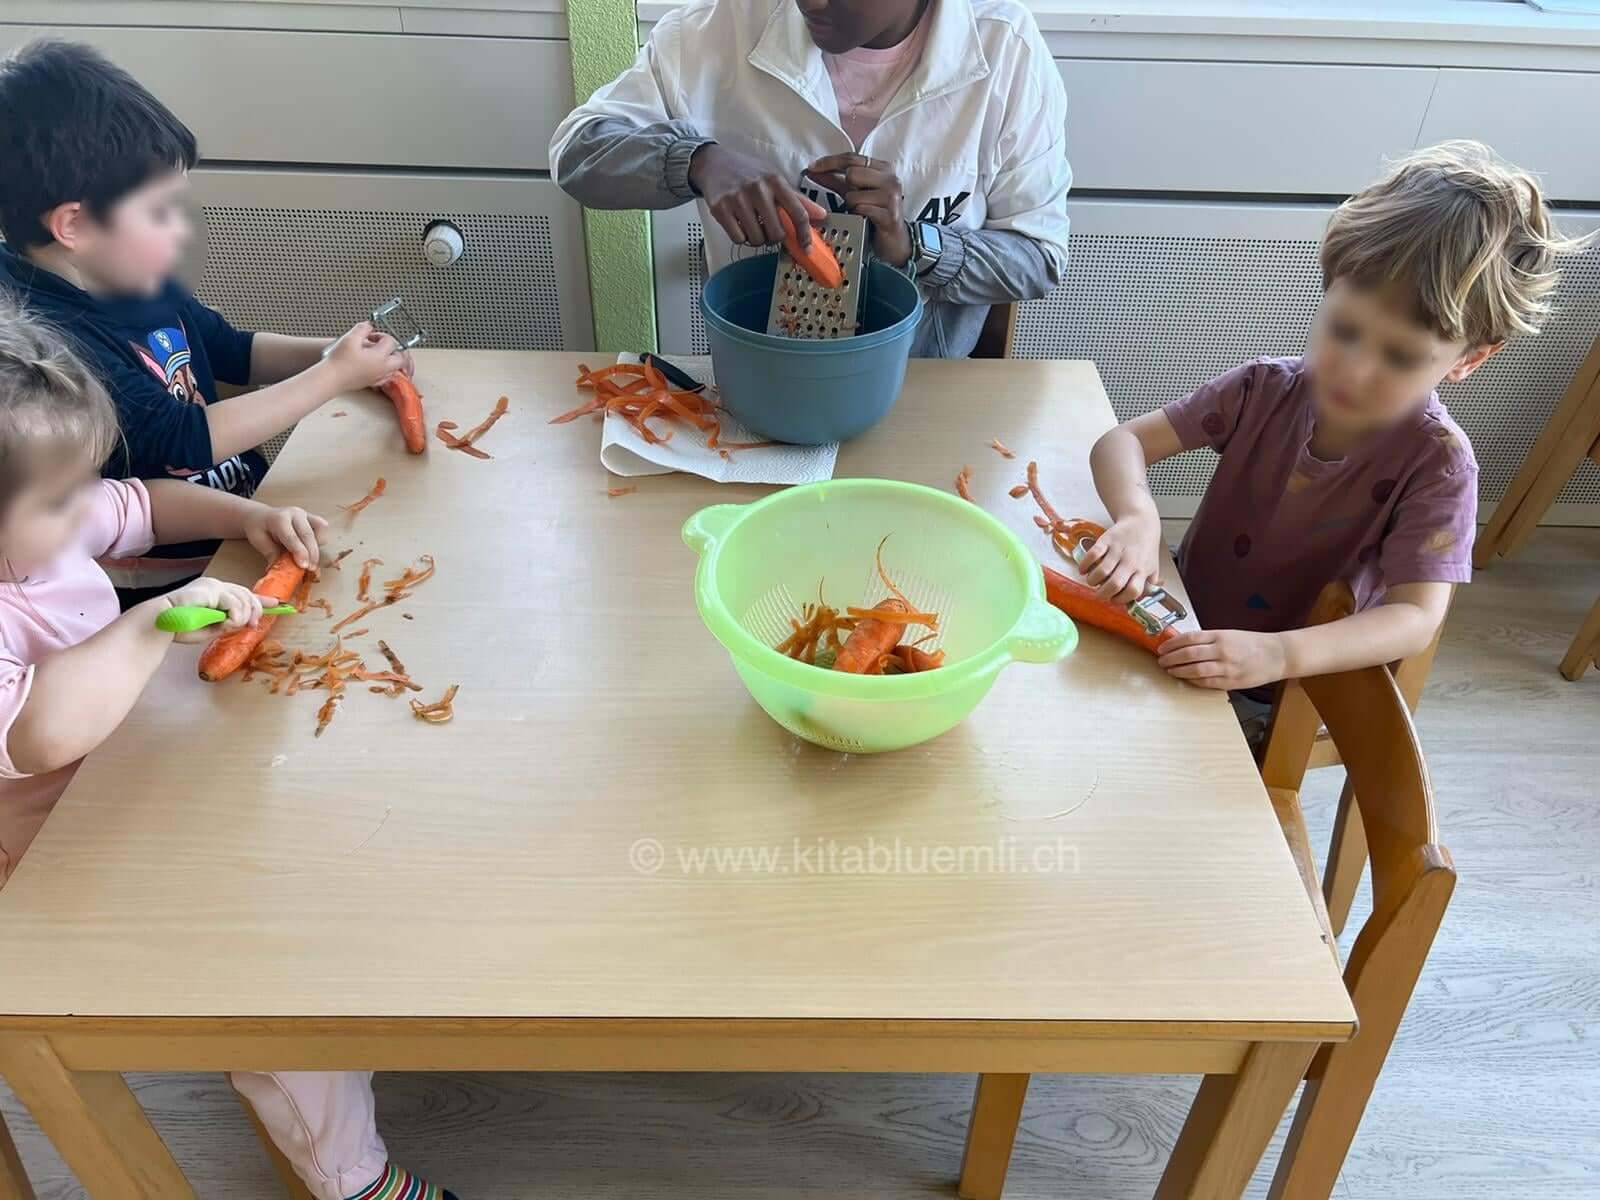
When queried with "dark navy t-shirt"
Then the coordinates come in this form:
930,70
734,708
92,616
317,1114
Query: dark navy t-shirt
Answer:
160,358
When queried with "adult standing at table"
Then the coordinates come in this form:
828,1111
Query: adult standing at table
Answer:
943,122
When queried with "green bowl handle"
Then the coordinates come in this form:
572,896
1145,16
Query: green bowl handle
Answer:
705,528
1043,634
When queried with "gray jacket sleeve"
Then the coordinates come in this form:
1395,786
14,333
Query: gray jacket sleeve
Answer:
992,266
612,163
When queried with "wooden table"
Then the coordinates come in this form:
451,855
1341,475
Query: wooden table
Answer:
218,889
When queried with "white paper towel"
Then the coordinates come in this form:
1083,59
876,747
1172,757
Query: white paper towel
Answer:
624,452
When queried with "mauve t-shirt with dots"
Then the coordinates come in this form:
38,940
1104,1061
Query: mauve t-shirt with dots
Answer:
1278,524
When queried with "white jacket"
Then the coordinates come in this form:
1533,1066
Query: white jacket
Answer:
976,135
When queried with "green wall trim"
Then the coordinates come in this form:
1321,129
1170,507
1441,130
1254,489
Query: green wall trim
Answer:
604,38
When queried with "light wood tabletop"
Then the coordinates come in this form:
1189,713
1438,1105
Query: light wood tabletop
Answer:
1112,867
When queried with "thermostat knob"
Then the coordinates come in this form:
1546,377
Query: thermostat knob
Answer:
442,244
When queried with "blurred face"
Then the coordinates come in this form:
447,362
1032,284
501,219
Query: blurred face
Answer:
46,515
1372,362
837,26
136,247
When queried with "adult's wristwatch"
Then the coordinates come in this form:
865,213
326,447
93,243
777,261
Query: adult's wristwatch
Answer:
927,244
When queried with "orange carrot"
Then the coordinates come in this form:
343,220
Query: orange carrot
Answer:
872,638
818,259
356,509
899,616
407,403
228,653
913,660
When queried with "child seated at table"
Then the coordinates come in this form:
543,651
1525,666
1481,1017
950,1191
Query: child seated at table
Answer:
1342,464
71,668
92,211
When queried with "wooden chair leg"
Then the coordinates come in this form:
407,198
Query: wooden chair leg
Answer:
95,1123
1347,860
991,1131
1232,1120
293,1186
14,1183
1585,648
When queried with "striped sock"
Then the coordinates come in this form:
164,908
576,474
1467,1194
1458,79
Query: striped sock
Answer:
395,1184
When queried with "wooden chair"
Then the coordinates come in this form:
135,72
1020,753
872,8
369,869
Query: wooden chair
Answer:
998,333
13,1180
1412,877
1347,852
1585,648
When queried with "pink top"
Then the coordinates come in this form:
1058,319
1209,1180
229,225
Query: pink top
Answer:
1278,524
67,602
865,80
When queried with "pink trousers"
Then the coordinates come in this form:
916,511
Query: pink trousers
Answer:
324,1122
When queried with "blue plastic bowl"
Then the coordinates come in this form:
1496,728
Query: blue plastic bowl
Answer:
800,391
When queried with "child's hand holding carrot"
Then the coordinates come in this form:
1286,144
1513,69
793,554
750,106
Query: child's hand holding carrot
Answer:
290,530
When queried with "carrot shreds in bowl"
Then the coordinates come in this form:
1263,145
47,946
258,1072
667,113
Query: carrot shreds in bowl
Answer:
892,617
441,711
355,510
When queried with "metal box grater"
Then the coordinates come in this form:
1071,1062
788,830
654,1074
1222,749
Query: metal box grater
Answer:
802,307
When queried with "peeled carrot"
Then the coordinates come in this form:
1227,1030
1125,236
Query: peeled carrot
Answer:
870,640
407,403
1083,604
817,259
226,654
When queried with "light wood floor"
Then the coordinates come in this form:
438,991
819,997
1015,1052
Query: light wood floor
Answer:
1491,1093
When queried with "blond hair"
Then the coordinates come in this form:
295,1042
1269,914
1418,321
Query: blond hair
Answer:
1462,230
50,403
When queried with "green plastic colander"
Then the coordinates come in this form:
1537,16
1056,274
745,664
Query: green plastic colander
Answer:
761,563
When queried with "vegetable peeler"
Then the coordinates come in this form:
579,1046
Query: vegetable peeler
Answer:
396,320
1148,621
186,618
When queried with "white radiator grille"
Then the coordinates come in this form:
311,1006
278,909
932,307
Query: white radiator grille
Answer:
319,270
1161,315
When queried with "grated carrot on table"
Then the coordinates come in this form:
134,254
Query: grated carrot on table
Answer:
615,492
1018,492
445,431
336,563
363,588
964,483
412,577
1002,449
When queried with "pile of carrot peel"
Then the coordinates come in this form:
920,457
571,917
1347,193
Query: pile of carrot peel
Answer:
639,393
873,643
339,666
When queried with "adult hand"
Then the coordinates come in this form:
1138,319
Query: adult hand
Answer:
745,197
871,189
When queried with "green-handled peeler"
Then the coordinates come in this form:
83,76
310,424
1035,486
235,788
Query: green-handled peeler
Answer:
186,618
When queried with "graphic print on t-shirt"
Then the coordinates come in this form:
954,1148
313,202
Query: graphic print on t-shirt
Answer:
166,353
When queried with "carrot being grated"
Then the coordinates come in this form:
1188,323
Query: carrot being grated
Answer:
355,510
439,712
1002,449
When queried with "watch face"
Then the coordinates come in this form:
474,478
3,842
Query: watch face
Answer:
932,241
